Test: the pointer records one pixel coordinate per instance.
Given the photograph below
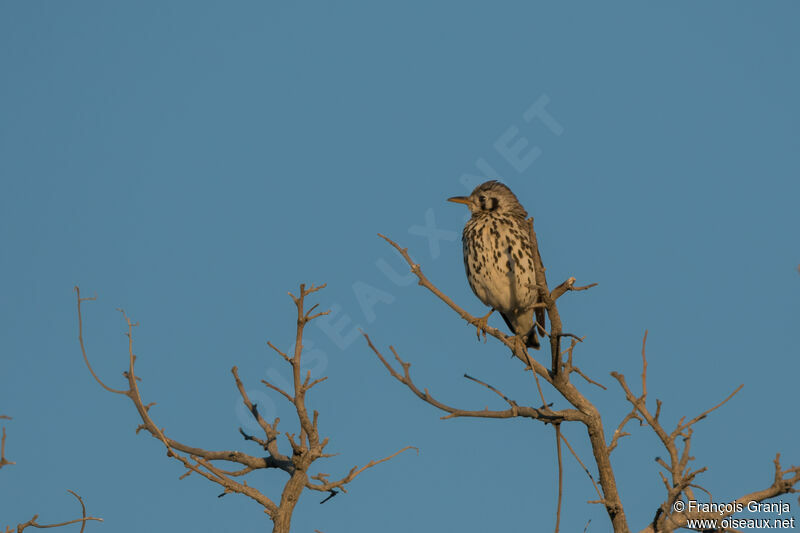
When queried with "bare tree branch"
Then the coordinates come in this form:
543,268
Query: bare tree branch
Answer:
785,482
586,470
560,475
32,522
354,472
679,479
3,460
82,520
203,462
558,376
545,413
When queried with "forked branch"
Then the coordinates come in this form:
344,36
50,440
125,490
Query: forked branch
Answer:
33,523
558,375
306,447
678,477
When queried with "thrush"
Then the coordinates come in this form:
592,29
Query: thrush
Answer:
498,257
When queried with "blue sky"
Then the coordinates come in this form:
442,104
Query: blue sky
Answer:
192,162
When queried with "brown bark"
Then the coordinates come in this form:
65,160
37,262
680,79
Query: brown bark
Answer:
306,447
682,479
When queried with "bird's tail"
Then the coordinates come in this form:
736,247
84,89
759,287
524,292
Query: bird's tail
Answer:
532,340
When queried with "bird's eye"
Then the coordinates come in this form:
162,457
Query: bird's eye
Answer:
481,199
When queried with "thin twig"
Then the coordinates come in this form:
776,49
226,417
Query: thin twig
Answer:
83,348
575,455
560,475
491,388
3,460
305,451
83,519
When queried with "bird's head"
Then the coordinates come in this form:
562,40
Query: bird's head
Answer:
491,197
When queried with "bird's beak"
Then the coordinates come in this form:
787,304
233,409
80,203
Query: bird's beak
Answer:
460,200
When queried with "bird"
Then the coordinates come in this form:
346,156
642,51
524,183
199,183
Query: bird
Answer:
499,258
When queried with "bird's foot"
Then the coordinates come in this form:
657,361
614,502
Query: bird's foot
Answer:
481,324
520,346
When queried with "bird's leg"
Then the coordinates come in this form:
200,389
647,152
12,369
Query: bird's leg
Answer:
519,346
481,324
